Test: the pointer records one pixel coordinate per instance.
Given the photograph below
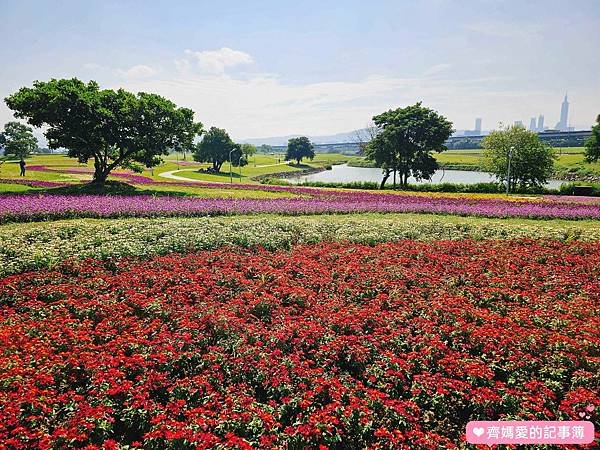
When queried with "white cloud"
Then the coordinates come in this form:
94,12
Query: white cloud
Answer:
262,105
216,61
137,72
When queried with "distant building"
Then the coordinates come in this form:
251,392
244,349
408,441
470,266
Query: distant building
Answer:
563,124
476,131
519,123
540,124
533,124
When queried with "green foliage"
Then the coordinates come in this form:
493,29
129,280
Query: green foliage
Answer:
299,148
248,150
472,188
264,148
18,140
532,161
114,128
215,148
405,141
592,145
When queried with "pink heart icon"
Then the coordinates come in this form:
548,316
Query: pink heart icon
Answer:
582,414
589,408
478,431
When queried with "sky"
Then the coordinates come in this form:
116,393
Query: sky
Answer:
274,67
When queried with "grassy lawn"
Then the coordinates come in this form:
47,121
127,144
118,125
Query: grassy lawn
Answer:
15,188
570,159
259,165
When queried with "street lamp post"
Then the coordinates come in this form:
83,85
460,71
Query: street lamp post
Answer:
240,165
510,152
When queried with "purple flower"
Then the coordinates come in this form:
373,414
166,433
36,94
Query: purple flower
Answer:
32,207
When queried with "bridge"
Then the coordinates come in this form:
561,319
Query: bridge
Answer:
554,138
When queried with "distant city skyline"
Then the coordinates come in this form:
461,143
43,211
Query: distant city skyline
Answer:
535,124
270,68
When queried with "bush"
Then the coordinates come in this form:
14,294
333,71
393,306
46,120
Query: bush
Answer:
569,188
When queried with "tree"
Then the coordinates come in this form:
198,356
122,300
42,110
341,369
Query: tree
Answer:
264,148
215,147
404,142
363,136
531,161
299,148
592,145
248,150
18,140
114,128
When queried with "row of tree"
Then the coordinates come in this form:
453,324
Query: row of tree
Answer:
116,128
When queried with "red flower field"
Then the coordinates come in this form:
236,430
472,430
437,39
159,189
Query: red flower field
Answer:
346,346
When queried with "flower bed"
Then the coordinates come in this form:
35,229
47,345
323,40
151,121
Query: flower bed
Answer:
34,183
397,345
28,207
42,245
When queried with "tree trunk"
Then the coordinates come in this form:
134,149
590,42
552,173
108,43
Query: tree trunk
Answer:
101,172
386,175
394,178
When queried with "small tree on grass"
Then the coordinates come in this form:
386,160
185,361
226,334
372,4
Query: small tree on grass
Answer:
592,145
215,148
405,139
18,140
531,162
114,128
298,149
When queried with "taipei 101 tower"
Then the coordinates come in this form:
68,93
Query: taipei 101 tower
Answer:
563,125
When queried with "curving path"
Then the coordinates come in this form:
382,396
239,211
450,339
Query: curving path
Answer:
171,173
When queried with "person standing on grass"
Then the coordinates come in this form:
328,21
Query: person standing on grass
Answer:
22,165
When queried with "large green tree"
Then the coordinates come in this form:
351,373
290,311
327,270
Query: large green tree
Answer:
18,140
298,149
405,140
114,128
592,145
531,160
215,147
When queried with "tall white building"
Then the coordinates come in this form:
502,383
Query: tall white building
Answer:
533,124
563,124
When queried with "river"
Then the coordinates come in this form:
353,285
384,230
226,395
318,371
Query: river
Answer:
344,173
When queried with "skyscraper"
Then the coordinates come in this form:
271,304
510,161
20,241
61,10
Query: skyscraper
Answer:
533,124
540,125
519,123
478,126
563,125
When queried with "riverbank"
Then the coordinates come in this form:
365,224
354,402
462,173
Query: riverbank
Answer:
569,173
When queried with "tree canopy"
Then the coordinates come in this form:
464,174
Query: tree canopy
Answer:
298,149
405,139
531,162
215,147
18,140
592,145
114,128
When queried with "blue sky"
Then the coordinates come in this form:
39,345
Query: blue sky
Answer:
267,68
